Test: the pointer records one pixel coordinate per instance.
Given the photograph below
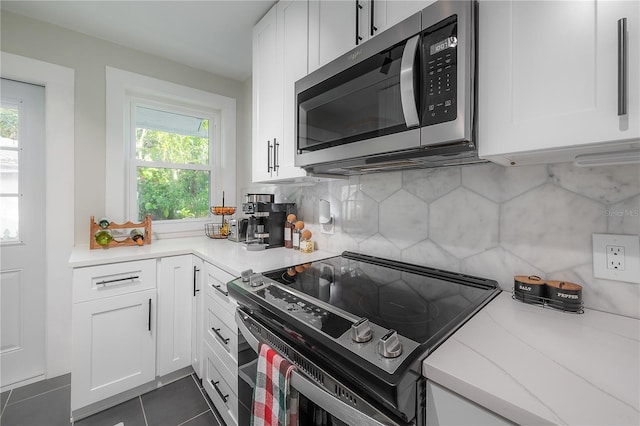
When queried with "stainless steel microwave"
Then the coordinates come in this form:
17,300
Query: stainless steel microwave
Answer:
403,99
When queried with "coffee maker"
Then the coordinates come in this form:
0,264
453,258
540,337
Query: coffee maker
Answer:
265,227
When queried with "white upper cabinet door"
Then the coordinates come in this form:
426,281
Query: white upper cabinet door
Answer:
332,29
175,304
387,13
267,97
548,79
292,55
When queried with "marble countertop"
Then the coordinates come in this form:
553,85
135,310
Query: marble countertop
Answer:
539,366
226,255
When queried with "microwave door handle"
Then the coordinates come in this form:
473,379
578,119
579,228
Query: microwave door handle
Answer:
407,89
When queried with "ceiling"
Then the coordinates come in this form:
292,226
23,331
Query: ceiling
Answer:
211,35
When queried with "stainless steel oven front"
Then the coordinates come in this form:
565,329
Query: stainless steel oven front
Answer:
325,400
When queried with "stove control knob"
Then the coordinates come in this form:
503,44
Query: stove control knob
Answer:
361,331
246,275
256,280
389,345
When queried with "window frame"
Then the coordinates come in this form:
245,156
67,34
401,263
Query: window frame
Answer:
121,88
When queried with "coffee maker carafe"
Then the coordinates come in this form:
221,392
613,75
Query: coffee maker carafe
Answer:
265,227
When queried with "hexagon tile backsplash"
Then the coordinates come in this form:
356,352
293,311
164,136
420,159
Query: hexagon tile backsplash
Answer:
485,220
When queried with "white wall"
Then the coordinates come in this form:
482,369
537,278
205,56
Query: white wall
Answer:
88,57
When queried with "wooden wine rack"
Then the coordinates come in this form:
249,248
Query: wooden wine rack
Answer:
128,241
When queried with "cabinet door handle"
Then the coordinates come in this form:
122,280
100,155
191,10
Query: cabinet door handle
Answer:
149,319
372,13
622,66
219,288
358,7
215,386
195,289
117,280
276,166
224,340
269,157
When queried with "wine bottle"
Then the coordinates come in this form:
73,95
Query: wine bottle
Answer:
103,237
137,236
104,223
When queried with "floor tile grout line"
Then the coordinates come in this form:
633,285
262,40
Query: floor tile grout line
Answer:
197,415
213,410
6,402
35,396
144,414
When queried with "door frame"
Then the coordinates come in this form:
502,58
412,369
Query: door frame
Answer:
58,82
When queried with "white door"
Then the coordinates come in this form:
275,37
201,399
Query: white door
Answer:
22,218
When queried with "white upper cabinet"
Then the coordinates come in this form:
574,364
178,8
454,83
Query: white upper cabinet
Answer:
548,80
292,55
332,29
279,59
335,27
267,102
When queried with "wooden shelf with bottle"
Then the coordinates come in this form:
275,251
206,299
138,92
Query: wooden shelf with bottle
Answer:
145,226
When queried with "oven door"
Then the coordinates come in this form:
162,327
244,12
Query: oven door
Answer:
331,403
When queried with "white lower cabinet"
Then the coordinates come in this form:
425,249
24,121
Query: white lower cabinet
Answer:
197,312
175,306
114,346
221,385
222,343
445,407
131,323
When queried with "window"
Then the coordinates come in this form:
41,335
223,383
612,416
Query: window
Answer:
171,152
9,169
171,164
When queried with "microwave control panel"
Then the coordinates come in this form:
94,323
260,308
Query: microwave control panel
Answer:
440,76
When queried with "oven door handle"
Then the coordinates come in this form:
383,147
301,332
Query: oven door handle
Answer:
311,391
407,89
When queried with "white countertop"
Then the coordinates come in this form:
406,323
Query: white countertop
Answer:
227,255
533,365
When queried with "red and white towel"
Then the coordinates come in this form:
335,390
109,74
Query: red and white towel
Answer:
274,402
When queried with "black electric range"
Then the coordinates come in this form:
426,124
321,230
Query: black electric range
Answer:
367,320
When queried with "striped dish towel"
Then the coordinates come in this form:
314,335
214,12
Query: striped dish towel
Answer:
274,403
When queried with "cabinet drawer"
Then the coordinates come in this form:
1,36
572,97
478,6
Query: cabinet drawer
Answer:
221,334
223,395
96,282
216,286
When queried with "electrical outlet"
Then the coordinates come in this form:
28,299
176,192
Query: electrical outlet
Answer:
616,257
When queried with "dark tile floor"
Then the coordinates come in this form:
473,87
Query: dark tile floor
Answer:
46,403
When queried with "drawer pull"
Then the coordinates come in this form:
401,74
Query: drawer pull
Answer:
220,336
215,386
219,288
117,280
